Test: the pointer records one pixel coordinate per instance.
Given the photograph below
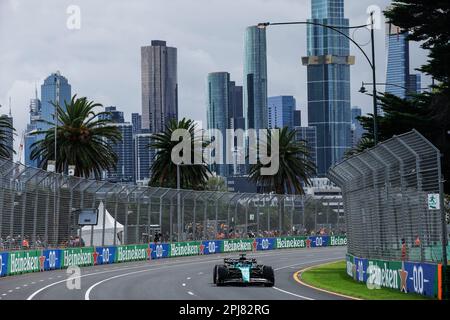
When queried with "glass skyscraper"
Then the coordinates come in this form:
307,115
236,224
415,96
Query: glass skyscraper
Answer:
281,112
124,171
255,78
397,73
55,89
357,128
143,156
328,62
309,135
159,86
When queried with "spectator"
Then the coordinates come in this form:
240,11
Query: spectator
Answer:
25,244
417,241
404,250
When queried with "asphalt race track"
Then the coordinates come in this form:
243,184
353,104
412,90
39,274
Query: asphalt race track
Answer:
187,278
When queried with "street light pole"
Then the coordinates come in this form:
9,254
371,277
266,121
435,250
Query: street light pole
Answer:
178,204
374,76
370,61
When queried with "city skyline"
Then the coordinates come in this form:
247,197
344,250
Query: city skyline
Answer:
199,53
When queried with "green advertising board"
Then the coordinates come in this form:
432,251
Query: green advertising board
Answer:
338,241
77,257
23,262
132,253
386,274
181,249
290,242
237,245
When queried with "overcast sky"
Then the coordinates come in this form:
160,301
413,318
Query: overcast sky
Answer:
102,59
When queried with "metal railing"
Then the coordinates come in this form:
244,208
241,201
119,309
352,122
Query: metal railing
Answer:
391,199
39,209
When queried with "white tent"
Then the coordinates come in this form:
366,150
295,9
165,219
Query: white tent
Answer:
103,218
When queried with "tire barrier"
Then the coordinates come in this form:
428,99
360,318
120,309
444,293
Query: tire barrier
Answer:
20,262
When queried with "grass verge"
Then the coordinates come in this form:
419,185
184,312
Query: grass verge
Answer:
333,277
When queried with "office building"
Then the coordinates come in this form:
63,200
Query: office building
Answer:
328,64
144,157
281,112
124,171
398,78
55,90
113,115
309,135
159,86
297,118
255,78
136,120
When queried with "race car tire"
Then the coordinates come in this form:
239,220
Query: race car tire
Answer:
215,274
222,274
269,275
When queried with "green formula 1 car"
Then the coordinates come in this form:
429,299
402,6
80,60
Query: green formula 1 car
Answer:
243,270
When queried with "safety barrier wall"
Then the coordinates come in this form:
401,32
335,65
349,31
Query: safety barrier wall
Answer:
405,276
19,262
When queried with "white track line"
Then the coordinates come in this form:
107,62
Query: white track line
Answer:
292,294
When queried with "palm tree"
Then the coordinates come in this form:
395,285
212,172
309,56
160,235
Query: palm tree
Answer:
164,171
6,129
84,139
295,167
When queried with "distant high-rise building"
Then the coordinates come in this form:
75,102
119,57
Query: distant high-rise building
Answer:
124,171
398,64
357,128
143,156
281,112
255,78
308,134
328,63
235,107
218,114
297,118
55,90
29,138
136,120
159,86
114,115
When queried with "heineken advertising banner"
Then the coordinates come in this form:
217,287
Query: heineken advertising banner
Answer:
337,241
105,255
132,253
159,250
408,277
265,244
4,263
50,259
237,245
23,261
17,262
180,249
291,242
77,257
210,247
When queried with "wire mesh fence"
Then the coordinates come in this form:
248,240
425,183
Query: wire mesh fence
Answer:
392,195
40,209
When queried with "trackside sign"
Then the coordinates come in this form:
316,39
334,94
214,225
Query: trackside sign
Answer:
77,257
407,277
291,242
23,262
237,245
132,253
180,249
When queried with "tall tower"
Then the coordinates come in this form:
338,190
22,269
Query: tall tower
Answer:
328,64
255,78
397,71
159,86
